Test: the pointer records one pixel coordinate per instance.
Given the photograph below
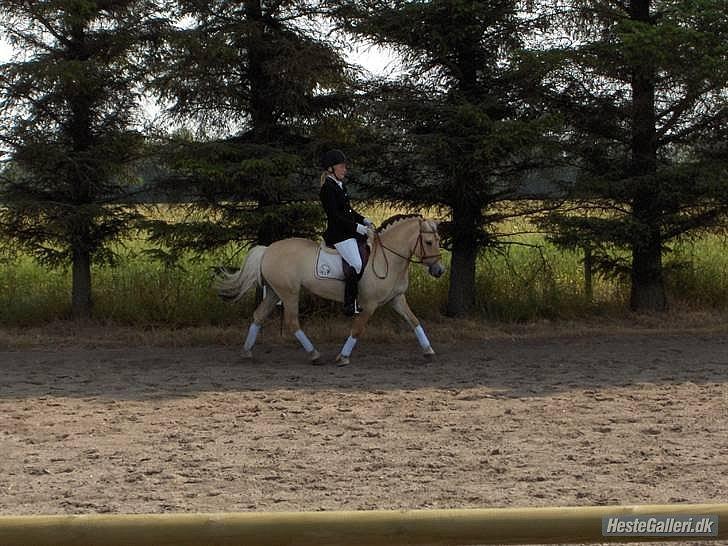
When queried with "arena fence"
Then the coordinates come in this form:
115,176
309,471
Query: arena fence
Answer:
572,525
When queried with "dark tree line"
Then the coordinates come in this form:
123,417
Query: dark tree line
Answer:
633,93
465,134
643,89
253,69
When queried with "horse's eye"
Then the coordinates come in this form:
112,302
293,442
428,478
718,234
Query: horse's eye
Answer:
429,243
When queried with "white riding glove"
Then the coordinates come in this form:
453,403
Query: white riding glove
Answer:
361,229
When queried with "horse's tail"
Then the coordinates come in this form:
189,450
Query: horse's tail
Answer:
232,286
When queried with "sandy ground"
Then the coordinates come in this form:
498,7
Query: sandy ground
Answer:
583,420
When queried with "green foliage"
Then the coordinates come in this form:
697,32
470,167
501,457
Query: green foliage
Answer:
66,114
257,81
32,294
636,100
643,91
234,191
242,66
698,272
457,131
528,281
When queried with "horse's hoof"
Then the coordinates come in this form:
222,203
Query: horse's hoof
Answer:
246,354
342,361
429,352
315,358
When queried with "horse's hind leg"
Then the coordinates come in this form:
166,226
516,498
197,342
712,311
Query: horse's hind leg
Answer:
261,312
399,303
290,317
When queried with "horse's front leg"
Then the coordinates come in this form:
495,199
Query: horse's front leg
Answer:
399,303
357,330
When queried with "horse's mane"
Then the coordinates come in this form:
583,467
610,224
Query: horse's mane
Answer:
389,222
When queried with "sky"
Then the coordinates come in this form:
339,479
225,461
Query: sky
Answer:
4,50
378,61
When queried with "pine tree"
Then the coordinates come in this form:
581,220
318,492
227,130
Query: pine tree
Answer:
456,130
67,110
643,86
259,80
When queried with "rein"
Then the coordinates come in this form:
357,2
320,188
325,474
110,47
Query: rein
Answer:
418,242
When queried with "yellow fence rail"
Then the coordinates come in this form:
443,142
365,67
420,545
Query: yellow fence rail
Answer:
572,525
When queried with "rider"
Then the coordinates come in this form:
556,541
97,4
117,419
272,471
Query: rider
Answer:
344,224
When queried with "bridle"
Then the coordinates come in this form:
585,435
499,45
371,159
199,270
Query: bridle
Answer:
419,245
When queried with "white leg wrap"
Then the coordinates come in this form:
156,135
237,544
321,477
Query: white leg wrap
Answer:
422,337
348,346
305,342
252,335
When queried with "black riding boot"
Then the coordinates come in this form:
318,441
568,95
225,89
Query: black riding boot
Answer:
351,289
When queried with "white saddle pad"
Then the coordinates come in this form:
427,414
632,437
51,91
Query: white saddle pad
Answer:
328,265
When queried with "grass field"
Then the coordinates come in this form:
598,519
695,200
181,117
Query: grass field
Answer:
519,284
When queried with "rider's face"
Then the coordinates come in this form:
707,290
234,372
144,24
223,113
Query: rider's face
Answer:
340,171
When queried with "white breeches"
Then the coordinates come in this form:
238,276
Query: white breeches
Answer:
349,250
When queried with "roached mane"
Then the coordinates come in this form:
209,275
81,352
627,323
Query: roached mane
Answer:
389,222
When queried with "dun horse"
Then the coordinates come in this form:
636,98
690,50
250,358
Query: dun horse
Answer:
291,264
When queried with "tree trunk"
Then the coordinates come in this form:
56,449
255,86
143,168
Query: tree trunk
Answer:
648,290
262,111
81,302
267,233
81,134
262,115
588,273
461,292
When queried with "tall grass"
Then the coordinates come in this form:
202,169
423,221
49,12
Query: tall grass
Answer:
31,294
145,291
138,290
697,272
528,281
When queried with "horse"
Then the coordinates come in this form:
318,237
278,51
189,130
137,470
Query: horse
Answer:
288,265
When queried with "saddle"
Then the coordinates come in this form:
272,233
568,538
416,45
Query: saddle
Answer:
330,264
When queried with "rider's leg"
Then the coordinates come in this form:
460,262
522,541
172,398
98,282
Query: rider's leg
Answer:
349,251
351,290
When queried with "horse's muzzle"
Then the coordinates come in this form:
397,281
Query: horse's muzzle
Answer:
436,269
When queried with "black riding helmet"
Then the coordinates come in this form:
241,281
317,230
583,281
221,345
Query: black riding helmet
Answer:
331,158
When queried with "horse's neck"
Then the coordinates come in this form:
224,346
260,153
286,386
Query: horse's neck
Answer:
402,237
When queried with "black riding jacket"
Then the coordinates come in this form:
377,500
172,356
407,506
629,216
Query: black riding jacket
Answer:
341,218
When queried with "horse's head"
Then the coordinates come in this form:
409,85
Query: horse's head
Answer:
427,248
